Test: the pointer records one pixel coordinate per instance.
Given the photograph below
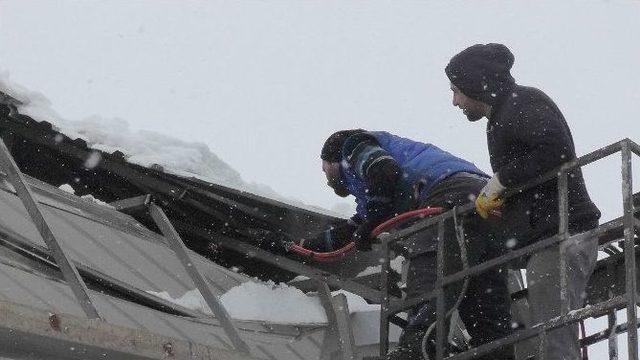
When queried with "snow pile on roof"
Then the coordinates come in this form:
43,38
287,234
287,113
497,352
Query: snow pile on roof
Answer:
356,303
272,302
68,188
141,147
146,148
268,301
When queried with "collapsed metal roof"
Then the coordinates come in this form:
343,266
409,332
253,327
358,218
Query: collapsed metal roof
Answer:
122,257
208,216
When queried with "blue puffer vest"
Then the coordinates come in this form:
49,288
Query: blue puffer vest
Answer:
421,163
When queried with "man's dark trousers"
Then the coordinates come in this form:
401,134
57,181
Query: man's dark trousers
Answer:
485,307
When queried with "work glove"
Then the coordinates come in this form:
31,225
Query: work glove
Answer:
332,238
362,236
490,197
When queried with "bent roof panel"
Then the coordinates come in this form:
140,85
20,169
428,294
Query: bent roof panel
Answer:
20,286
146,264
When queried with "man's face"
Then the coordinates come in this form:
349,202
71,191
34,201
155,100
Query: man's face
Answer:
334,179
473,109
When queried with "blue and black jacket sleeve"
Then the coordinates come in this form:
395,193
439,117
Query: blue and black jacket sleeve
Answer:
381,173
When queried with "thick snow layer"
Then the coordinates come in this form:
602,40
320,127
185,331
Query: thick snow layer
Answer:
146,148
268,301
140,147
272,302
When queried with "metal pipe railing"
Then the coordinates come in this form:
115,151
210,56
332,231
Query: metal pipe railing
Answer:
628,222
631,286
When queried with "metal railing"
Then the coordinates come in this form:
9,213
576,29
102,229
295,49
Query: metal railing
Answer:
628,223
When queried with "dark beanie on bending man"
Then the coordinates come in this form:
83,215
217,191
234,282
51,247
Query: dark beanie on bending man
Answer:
332,149
482,72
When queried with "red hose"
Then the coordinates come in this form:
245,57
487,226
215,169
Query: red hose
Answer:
428,211
338,254
330,256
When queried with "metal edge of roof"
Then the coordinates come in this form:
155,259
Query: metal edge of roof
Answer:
41,333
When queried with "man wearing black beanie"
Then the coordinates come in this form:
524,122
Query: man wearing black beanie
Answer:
528,137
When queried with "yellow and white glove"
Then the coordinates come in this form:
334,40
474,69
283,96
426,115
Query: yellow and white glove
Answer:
489,198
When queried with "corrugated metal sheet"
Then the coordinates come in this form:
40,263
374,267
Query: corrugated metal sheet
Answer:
117,246
20,286
137,257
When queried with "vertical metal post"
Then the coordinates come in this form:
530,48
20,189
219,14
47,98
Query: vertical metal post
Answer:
542,345
629,252
341,310
613,337
440,305
68,269
212,301
331,342
384,291
563,231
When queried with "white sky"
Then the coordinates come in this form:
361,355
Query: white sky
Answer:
264,83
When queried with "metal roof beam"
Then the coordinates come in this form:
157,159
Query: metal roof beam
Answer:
176,243
69,271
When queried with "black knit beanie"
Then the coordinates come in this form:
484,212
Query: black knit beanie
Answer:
482,72
332,149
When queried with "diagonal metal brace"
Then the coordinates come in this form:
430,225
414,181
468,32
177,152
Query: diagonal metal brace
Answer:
69,271
177,245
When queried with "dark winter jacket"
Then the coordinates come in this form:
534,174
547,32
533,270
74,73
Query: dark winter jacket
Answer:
527,137
383,171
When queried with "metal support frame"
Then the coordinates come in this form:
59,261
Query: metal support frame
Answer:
68,269
572,317
132,205
613,338
339,331
605,335
563,233
331,341
440,305
345,332
608,232
384,290
177,245
629,244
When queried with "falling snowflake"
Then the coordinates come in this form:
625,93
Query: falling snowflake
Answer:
93,160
